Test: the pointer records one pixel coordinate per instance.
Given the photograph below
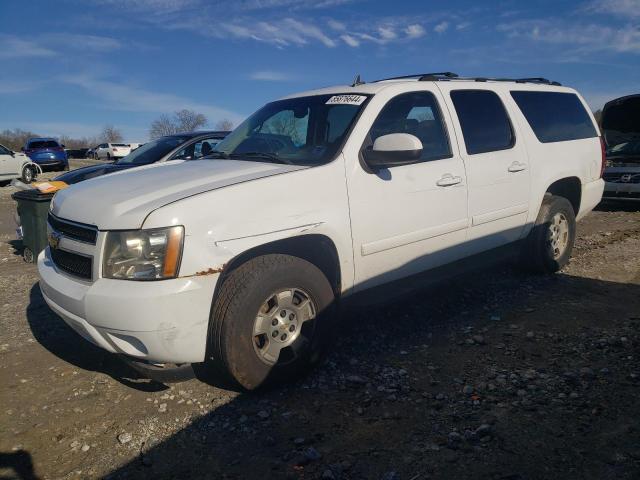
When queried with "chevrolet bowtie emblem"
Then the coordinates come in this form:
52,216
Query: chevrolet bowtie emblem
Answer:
54,239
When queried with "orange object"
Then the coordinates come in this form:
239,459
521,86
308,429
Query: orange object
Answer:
50,187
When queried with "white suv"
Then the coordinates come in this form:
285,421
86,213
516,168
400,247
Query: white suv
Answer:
238,261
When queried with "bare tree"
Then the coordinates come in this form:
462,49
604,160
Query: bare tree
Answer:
162,126
188,120
224,124
111,134
16,138
181,121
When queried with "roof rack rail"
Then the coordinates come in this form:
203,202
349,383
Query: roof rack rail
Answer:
445,76
423,76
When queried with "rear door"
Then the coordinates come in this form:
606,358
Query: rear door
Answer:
497,165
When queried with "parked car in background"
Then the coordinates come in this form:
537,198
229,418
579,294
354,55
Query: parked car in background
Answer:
182,146
76,152
15,165
112,151
621,130
239,262
46,152
133,146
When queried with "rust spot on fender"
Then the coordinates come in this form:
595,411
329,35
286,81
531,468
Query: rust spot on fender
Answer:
209,271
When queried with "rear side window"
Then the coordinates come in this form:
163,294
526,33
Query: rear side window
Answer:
555,116
485,124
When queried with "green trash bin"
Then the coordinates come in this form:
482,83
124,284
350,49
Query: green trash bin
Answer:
33,207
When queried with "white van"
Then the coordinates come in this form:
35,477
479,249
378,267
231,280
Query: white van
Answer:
239,260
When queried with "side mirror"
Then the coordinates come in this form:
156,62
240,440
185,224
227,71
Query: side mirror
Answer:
392,150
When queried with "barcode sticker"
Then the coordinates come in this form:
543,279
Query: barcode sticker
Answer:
346,100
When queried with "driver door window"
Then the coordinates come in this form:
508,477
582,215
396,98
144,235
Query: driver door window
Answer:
418,114
196,150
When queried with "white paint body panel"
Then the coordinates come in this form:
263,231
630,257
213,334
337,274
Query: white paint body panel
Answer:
384,226
11,165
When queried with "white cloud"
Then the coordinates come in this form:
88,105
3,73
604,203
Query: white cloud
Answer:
463,25
17,86
270,76
441,27
150,6
586,38
414,31
336,25
624,8
351,41
119,96
15,47
387,34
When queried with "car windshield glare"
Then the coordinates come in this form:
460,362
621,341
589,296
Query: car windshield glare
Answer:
298,131
153,151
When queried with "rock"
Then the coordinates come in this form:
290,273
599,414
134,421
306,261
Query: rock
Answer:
125,437
467,390
299,441
85,448
328,474
74,444
390,476
356,379
479,339
586,372
263,414
483,430
530,335
312,454
162,407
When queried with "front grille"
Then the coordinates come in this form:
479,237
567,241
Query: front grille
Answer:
621,177
83,233
72,263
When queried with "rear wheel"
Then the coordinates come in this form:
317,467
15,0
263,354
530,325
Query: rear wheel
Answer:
548,247
27,174
271,320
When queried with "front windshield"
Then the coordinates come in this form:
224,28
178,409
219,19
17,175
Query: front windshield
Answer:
297,131
153,151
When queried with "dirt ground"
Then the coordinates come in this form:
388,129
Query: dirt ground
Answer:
502,375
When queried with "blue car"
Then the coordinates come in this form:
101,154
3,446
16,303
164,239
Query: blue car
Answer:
46,152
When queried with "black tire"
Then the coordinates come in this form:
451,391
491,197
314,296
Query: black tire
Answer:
537,253
231,349
28,174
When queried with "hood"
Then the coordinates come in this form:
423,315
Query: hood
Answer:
124,199
621,127
91,171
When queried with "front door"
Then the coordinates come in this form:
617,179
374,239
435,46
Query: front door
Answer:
408,218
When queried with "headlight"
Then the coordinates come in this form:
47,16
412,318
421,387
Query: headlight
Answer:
143,254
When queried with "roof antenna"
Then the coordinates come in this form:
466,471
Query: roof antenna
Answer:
357,81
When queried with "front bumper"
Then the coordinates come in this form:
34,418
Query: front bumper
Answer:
158,321
621,191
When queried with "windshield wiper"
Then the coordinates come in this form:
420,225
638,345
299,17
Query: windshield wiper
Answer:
272,157
215,154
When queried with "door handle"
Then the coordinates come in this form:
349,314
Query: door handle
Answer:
517,167
447,180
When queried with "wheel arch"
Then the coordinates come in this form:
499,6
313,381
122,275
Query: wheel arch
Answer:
569,188
318,249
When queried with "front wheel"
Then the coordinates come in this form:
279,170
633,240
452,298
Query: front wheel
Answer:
271,320
27,174
548,247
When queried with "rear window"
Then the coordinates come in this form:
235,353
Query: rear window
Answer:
43,144
555,116
120,144
485,124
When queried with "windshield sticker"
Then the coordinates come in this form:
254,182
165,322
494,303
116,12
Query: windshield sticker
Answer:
346,100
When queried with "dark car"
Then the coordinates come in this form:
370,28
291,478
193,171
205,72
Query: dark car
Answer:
181,146
46,152
621,131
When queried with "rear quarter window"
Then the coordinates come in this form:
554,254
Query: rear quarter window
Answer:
555,116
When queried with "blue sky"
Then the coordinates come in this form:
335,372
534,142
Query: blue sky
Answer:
72,66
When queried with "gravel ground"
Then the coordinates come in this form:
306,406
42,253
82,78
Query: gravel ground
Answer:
499,376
